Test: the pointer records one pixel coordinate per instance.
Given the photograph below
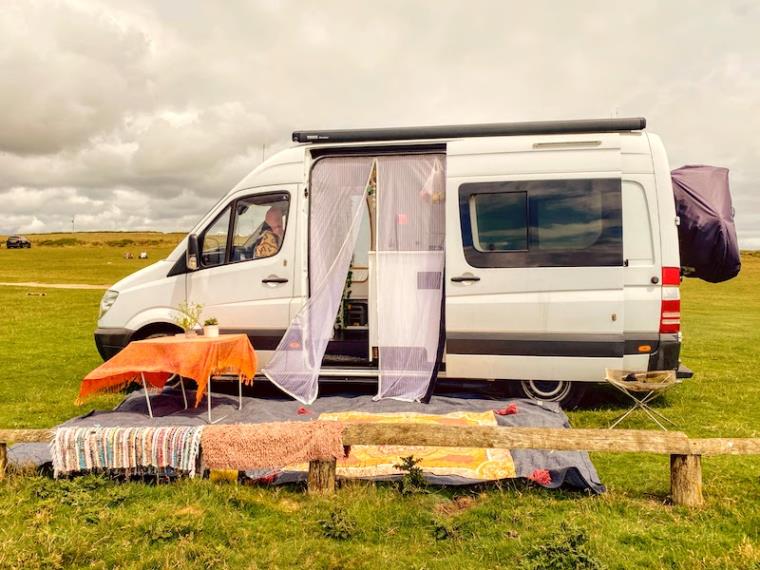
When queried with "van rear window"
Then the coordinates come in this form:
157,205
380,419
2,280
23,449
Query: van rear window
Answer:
542,223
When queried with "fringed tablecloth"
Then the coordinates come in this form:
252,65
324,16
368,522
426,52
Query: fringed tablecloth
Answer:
160,358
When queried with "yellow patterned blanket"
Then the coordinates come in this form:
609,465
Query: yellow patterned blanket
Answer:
379,460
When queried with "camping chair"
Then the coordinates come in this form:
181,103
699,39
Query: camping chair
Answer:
642,388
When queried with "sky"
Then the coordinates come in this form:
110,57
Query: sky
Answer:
140,115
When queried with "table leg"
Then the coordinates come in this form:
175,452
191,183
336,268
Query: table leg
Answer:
147,398
182,385
208,397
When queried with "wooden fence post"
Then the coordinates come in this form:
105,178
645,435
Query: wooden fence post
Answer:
686,480
3,459
321,480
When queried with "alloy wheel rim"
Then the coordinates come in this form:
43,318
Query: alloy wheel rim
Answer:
547,391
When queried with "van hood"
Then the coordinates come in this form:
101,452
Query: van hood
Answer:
153,272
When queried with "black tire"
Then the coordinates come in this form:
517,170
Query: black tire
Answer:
158,335
567,394
155,331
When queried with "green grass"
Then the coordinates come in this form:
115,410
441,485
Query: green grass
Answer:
92,261
46,348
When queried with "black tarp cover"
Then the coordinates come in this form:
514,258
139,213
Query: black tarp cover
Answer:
706,233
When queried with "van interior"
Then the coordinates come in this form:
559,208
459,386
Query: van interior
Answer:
354,343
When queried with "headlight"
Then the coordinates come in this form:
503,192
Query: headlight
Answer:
107,302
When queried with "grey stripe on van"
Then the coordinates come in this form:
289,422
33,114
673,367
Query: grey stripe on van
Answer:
549,344
261,339
509,344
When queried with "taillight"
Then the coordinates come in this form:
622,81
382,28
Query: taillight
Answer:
670,308
670,316
671,276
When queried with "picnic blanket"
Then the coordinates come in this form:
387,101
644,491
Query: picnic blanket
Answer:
159,358
381,460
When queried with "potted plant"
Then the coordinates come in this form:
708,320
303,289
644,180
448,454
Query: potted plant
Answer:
188,317
211,327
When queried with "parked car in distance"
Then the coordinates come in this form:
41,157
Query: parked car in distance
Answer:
17,242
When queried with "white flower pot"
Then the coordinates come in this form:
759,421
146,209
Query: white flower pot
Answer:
211,330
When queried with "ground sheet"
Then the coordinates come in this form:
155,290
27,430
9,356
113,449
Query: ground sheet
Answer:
441,465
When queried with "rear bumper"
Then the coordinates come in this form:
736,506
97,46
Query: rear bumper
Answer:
110,341
666,355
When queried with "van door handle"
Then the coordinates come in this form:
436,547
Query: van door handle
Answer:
274,280
465,278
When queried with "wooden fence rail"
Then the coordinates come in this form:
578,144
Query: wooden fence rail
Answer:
685,454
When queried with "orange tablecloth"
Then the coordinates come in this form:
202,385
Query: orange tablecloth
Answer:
159,358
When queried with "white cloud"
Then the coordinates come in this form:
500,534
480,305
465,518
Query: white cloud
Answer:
141,114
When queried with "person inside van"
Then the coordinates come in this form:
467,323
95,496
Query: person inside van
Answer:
269,242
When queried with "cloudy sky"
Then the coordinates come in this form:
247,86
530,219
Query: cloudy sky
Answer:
141,114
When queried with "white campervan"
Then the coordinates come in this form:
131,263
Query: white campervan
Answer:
561,256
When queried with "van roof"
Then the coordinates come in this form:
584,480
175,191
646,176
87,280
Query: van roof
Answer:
468,131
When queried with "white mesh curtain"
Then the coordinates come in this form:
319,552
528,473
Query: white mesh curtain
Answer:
338,192
410,261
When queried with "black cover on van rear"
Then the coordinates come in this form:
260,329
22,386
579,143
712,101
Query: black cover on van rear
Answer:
706,234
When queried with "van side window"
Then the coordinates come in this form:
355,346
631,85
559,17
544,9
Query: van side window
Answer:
544,223
260,223
499,221
566,218
213,241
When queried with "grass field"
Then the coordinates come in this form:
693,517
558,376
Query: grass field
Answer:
46,347
93,258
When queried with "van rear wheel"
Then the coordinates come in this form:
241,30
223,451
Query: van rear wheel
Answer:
567,394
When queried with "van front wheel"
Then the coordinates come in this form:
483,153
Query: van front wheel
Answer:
156,330
567,394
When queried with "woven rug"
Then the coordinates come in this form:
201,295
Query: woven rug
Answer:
132,450
379,460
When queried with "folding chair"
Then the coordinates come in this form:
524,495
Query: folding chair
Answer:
642,388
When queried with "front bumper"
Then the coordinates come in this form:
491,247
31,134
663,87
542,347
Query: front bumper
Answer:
110,341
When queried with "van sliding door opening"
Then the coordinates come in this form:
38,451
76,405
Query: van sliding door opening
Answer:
408,194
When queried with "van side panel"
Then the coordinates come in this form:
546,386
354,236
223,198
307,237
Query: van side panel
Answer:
667,355
666,206
530,322
641,247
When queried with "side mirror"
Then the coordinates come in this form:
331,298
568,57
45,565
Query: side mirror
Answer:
191,256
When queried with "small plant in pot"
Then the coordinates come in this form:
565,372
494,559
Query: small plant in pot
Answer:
211,327
188,317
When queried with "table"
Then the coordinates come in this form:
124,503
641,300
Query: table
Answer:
156,361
